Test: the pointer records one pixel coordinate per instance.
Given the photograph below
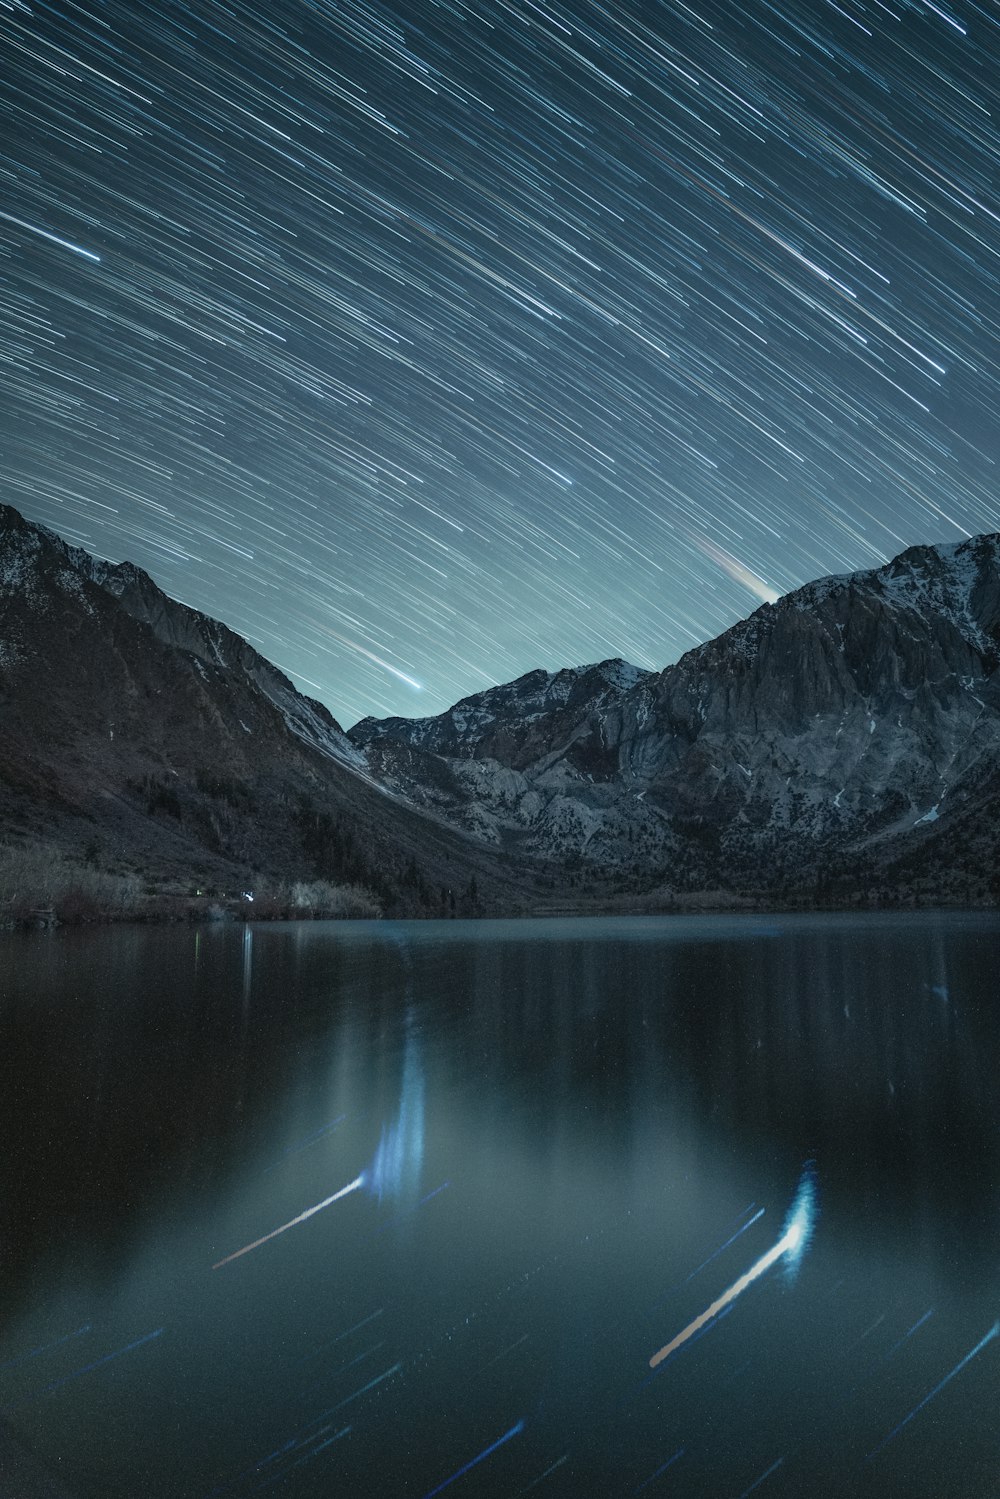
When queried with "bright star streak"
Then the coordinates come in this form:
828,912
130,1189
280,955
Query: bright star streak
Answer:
791,1243
378,660
738,571
386,666
65,243
351,1187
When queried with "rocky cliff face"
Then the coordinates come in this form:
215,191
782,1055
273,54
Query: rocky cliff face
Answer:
214,645
856,722
511,723
842,741
145,736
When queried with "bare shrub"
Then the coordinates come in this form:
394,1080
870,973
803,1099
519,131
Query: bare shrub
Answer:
36,881
322,899
41,883
304,896
349,902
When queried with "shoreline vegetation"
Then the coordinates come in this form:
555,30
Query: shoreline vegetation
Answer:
41,887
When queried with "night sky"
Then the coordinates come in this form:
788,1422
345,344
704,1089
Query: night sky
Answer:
428,343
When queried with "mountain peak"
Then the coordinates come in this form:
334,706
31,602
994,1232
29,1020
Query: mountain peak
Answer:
860,712
509,710
851,727
28,551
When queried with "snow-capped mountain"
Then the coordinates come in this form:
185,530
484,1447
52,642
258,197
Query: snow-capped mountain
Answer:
854,723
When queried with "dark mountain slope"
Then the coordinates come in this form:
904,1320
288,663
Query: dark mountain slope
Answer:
841,745
147,737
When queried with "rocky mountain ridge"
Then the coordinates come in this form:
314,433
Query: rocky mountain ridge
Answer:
841,745
856,722
214,645
141,736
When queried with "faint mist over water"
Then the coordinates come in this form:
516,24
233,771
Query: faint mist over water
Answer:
479,1174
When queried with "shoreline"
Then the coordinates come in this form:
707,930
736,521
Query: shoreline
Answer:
183,911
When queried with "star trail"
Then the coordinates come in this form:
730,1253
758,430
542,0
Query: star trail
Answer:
428,343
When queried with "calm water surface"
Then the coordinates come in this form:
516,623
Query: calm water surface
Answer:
562,1142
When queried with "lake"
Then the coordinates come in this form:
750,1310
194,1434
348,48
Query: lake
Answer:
410,1208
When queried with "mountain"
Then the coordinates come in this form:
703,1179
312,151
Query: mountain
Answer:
843,743
141,736
509,722
841,746
215,646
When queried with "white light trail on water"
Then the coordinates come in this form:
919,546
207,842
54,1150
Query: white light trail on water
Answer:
353,1186
792,1243
786,1243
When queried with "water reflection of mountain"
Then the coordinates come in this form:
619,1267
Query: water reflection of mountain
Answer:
869,1045
149,1065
